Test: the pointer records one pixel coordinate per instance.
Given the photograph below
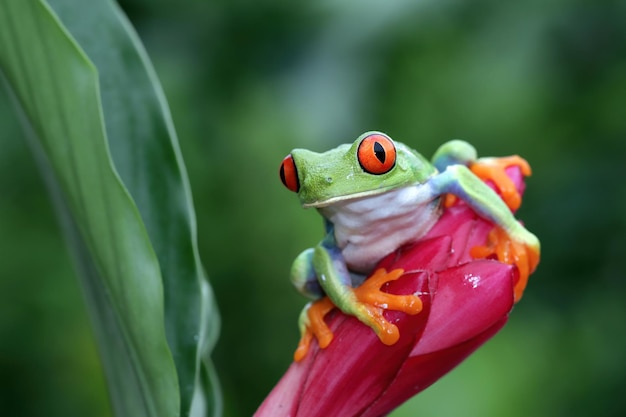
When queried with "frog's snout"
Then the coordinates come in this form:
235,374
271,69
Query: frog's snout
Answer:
289,174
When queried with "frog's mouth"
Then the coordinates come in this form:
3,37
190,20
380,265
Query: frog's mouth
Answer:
345,198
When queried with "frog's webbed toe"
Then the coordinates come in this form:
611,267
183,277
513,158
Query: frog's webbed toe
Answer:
494,169
368,305
373,302
504,249
312,324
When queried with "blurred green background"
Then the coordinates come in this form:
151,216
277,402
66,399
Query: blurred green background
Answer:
248,81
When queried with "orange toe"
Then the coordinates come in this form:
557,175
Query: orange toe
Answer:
372,303
317,328
303,346
511,252
494,169
370,293
375,302
449,200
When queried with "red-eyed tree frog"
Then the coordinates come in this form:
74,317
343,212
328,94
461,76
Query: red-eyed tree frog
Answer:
376,195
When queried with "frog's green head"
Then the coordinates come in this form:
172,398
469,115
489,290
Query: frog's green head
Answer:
373,164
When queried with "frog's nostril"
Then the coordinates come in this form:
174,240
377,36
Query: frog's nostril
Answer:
289,174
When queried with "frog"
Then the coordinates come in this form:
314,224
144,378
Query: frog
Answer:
375,196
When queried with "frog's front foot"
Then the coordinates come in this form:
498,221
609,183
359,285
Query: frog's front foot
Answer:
523,255
373,302
368,305
494,169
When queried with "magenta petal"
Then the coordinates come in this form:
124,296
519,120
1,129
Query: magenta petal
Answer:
419,372
344,378
515,174
285,396
465,229
466,302
428,254
469,299
357,367
455,221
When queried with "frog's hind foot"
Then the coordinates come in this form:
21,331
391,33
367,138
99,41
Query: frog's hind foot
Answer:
312,324
506,250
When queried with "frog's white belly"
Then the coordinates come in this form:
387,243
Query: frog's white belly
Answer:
369,228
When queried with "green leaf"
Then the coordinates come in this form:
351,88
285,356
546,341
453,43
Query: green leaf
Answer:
105,141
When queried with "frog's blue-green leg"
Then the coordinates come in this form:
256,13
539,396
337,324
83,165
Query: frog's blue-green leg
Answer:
458,152
322,271
365,302
460,181
303,276
509,241
311,320
326,265
454,152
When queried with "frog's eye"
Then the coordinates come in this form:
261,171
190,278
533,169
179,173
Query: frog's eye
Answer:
377,154
289,174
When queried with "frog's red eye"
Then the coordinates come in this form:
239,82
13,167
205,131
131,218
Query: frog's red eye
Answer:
377,154
289,174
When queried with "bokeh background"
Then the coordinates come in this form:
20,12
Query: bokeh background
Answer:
249,80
